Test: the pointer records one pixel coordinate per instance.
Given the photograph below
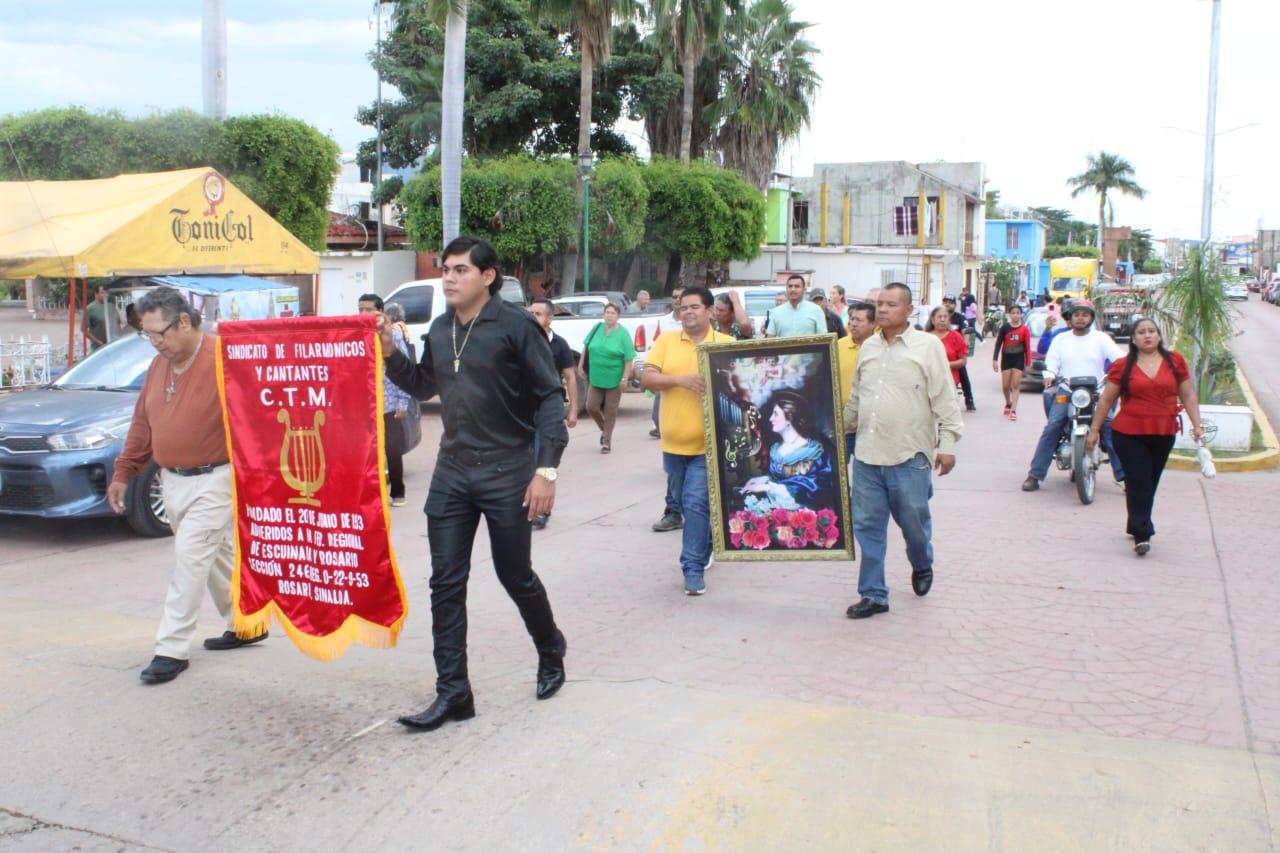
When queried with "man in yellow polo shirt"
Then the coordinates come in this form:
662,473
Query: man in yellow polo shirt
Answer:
862,325
671,370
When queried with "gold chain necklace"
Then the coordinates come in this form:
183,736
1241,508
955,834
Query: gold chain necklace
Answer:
174,373
457,353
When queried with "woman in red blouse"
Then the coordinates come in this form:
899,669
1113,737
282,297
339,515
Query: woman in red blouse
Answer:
1149,383
952,341
1011,358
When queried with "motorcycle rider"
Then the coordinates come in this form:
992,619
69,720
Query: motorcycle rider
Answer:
1086,351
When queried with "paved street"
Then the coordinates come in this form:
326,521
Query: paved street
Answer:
1052,692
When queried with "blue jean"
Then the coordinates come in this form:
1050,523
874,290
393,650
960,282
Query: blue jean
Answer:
1049,442
687,475
903,492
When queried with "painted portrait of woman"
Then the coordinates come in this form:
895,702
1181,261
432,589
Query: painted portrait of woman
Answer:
801,474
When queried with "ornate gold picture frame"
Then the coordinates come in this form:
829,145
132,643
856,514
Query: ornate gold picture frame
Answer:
776,466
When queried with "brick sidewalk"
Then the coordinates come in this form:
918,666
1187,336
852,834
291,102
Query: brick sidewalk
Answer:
1041,620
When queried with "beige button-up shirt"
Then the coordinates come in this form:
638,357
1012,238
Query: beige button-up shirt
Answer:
903,400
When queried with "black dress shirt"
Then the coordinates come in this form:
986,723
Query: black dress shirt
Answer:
506,387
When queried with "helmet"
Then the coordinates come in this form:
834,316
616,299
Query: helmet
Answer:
1080,305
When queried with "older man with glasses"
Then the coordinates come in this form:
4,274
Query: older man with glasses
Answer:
178,422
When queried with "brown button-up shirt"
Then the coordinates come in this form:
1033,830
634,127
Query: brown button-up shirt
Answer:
182,432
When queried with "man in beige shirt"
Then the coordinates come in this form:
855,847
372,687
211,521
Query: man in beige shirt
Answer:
903,408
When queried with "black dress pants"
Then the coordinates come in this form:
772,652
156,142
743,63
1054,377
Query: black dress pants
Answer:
464,487
394,431
1143,458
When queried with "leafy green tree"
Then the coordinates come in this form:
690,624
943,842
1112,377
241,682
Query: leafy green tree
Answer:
1152,266
703,213
1006,272
286,166
619,206
592,22
525,207
1106,174
1137,248
993,205
1070,251
1064,229
522,90
767,89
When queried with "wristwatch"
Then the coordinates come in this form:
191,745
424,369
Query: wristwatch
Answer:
548,474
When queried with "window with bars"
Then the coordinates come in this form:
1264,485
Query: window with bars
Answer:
1011,237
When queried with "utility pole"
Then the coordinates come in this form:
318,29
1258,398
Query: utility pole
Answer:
377,176
1206,205
213,59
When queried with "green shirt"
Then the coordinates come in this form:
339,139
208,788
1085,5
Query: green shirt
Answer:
607,356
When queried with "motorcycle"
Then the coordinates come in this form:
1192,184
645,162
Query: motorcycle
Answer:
993,320
1080,393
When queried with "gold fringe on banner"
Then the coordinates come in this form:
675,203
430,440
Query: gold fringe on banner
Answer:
355,628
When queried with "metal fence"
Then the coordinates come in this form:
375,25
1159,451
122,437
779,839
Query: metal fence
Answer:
26,362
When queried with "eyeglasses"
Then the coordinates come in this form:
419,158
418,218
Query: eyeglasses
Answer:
157,337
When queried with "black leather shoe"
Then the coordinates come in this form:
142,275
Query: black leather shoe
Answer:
922,581
551,669
1030,484
441,711
162,669
864,608
229,640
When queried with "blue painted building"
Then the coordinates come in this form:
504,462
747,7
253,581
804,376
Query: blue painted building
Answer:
1023,240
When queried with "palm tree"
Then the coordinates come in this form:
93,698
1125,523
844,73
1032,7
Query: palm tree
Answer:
769,84
688,25
1105,172
454,13
592,21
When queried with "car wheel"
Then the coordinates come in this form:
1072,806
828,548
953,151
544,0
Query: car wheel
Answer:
146,514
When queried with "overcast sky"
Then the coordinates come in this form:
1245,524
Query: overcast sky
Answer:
1026,87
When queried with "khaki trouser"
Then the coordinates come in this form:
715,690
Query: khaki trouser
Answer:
602,406
200,514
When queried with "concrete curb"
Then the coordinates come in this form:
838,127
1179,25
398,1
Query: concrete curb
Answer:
1268,457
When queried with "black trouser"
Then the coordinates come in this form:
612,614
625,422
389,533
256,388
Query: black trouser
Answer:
394,431
1143,458
966,387
463,488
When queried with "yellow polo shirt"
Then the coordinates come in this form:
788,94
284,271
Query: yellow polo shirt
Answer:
680,415
847,350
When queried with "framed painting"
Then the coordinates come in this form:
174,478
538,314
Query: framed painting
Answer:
776,465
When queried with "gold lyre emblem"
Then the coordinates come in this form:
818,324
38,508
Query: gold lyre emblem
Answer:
302,458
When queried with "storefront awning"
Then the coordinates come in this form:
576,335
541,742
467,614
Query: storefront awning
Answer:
192,221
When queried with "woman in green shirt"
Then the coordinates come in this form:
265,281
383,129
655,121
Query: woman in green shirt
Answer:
605,363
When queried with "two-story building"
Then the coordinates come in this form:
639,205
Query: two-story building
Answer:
863,225
1023,240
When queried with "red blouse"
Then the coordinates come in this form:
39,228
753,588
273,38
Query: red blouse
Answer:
1151,407
957,348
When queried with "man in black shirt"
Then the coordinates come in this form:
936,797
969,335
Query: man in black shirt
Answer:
544,310
834,325
490,364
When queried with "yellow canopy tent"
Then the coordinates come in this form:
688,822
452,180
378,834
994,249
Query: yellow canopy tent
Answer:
192,221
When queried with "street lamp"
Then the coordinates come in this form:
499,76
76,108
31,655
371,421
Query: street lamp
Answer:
585,160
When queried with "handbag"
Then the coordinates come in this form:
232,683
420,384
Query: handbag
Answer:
411,423
586,349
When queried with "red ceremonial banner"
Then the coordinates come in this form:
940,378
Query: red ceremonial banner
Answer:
302,403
